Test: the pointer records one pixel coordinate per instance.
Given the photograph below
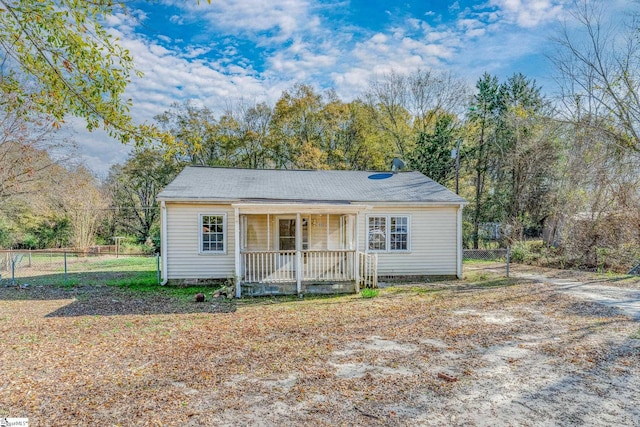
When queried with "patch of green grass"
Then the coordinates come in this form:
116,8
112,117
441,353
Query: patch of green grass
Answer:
369,293
147,282
143,281
636,335
70,283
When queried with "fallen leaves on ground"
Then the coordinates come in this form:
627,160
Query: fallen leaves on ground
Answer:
334,361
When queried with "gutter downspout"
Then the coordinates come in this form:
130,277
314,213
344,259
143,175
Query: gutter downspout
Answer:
236,251
163,242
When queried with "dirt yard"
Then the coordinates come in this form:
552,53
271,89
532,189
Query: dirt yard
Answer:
486,351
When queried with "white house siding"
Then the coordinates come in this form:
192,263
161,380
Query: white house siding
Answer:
184,260
433,241
257,233
334,232
318,232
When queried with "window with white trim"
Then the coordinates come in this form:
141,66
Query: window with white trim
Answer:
398,233
377,235
213,233
388,233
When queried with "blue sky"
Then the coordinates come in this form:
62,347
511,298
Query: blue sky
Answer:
216,54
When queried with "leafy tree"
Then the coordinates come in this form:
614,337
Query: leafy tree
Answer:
25,140
79,198
525,162
133,188
56,56
515,155
52,231
402,105
488,104
387,101
193,131
21,220
596,203
6,232
253,122
432,155
198,137
351,139
297,129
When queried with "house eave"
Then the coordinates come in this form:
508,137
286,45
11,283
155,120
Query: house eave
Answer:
278,208
310,203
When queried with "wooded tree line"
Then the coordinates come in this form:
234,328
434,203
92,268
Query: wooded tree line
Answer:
566,167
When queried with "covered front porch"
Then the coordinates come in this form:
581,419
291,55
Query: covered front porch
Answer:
300,249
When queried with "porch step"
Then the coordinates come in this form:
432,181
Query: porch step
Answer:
329,288
264,289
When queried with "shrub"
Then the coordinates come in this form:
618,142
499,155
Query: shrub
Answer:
519,252
369,293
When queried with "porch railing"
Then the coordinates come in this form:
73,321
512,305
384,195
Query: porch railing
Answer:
336,265
368,268
282,266
269,266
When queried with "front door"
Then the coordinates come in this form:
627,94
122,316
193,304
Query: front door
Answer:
287,242
286,234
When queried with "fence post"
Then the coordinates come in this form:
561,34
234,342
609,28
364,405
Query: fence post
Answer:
65,266
13,271
29,258
508,259
158,267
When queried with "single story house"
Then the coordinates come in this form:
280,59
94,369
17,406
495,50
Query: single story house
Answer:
304,231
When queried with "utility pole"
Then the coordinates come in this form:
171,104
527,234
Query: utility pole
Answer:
455,153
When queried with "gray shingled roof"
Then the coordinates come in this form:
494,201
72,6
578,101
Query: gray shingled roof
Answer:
205,183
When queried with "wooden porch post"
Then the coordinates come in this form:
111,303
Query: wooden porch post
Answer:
237,273
327,228
298,254
269,247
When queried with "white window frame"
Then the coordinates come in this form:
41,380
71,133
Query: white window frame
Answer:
224,234
388,233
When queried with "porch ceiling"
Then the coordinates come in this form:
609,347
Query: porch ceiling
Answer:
288,208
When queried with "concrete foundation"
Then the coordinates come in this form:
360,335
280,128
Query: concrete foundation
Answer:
265,289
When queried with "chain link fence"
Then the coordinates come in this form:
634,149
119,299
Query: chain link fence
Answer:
41,267
487,259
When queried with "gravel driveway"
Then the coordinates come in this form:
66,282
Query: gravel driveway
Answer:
625,299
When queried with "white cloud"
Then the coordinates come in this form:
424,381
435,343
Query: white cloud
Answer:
281,19
178,20
529,13
96,149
